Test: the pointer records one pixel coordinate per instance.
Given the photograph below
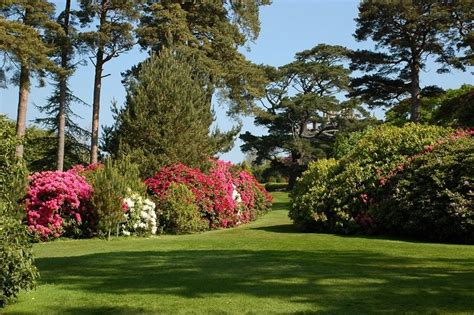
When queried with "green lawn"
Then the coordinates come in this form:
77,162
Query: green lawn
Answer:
263,267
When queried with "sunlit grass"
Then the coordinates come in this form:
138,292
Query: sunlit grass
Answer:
263,267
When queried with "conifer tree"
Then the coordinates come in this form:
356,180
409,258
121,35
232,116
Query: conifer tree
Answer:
406,33
166,117
23,25
112,36
302,111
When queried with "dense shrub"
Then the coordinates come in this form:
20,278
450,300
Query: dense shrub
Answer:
312,207
179,213
58,202
17,269
225,195
113,183
431,195
342,206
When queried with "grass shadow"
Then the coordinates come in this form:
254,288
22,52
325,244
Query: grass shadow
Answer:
336,282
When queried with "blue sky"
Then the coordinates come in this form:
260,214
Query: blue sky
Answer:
287,27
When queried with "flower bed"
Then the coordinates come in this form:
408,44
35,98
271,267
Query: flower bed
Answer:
60,203
225,196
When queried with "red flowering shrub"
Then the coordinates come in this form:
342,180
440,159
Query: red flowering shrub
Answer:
225,196
57,201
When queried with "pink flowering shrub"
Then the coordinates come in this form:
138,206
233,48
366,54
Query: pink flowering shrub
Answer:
430,195
225,196
339,201
58,202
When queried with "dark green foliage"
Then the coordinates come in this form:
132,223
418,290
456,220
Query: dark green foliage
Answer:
276,186
453,107
302,111
211,33
327,196
405,33
166,118
457,108
433,198
178,212
113,182
17,266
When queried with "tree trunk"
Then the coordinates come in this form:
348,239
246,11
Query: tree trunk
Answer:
63,90
415,93
24,92
99,63
96,108
295,170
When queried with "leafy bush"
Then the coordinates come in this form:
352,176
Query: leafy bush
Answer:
179,213
431,196
140,216
342,206
58,202
113,182
225,195
312,207
17,269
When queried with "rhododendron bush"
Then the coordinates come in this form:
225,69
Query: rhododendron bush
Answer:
57,202
225,195
346,195
140,216
97,199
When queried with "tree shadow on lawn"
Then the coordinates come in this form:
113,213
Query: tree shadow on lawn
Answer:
280,205
337,282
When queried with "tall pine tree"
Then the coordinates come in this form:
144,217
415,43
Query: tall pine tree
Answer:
405,34
113,34
166,118
23,25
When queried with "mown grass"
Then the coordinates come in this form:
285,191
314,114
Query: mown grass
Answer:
264,267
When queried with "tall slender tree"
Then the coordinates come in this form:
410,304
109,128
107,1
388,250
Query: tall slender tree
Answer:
113,22
65,56
406,34
23,25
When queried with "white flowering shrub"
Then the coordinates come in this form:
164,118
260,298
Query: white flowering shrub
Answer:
140,216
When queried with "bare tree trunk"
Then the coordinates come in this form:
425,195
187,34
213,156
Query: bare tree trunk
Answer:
63,90
97,86
24,92
96,108
415,93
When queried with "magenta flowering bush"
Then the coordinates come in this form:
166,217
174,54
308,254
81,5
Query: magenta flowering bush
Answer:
58,202
225,195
